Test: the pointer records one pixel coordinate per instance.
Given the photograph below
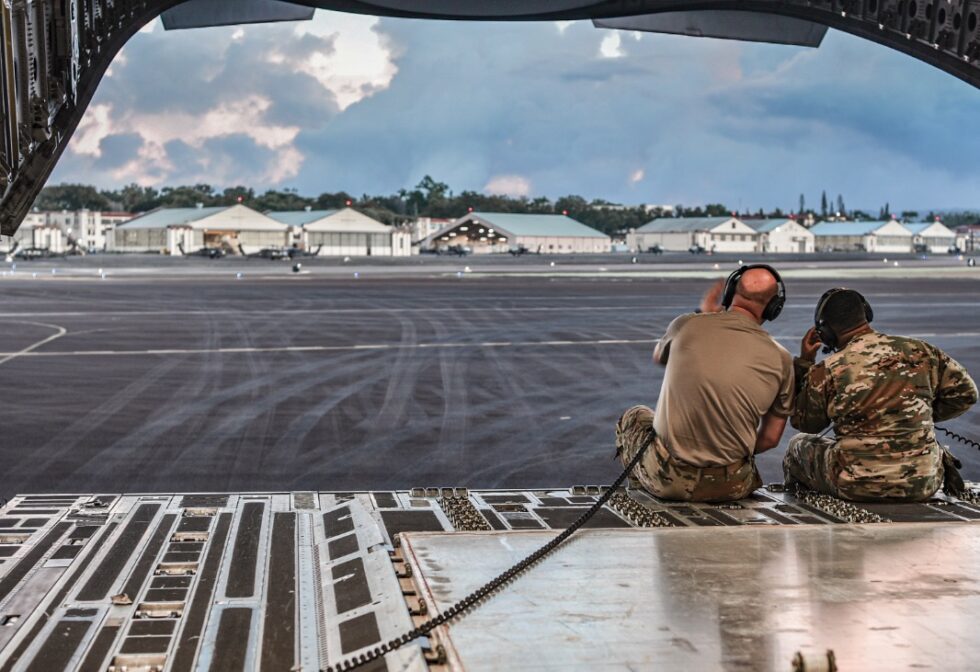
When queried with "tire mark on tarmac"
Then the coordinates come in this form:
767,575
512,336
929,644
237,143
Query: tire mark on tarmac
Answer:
72,437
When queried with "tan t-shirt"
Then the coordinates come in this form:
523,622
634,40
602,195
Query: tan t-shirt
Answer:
724,372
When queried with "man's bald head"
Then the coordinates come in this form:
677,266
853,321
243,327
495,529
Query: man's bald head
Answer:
755,289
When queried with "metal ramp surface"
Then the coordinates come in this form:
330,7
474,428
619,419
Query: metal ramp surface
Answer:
303,580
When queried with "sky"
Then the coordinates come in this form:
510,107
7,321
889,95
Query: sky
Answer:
369,105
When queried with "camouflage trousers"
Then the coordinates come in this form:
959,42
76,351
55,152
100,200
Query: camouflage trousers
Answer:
668,478
861,472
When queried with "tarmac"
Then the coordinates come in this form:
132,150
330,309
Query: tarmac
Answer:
150,374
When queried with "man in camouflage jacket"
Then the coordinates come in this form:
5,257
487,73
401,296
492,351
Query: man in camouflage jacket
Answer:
882,394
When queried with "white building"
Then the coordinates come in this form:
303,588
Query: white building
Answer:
345,232
782,236
676,234
496,232
88,230
423,227
38,232
891,236
933,237
235,228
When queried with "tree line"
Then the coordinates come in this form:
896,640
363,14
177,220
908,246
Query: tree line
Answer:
429,198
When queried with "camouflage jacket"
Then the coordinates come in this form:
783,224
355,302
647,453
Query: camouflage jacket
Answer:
882,393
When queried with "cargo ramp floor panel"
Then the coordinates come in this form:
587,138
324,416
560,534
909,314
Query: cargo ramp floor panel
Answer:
304,580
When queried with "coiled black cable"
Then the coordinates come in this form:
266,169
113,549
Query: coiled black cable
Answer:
495,584
958,437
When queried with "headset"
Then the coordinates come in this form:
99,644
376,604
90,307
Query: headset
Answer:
776,303
827,335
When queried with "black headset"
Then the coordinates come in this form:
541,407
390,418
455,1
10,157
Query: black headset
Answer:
826,333
776,303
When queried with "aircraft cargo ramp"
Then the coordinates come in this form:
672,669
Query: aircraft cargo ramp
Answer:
305,580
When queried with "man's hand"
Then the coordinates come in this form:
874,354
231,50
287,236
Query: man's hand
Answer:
711,301
810,345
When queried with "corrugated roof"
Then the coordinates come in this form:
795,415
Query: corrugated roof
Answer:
675,224
538,225
919,227
847,228
301,217
765,225
164,217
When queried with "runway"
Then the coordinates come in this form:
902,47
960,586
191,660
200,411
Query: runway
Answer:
158,381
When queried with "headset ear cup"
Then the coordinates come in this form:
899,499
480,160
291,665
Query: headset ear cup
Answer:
729,294
774,308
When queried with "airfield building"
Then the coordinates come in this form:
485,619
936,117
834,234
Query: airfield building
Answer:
890,236
234,228
968,237
344,232
88,230
679,234
38,232
934,237
782,236
496,232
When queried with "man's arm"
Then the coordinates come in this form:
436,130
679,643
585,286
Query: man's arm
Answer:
810,404
710,303
770,432
956,391
662,350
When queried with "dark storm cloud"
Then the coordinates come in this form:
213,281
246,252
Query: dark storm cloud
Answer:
694,120
117,150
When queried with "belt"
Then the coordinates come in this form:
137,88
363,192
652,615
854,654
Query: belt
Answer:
722,470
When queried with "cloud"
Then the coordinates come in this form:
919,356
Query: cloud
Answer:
255,87
612,46
508,185
372,105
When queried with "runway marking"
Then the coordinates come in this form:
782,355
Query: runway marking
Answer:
325,348
31,351
297,312
59,332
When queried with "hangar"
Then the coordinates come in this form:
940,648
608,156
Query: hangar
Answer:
490,232
345,232
933,237
235,228
782,235
679,234
890,236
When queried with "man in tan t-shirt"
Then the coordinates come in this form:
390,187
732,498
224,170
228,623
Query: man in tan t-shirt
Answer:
726,395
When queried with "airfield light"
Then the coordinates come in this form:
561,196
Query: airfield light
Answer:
564,212
348,202
469,209
240,199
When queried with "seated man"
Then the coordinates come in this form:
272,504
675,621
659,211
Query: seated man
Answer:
727,391
882,393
